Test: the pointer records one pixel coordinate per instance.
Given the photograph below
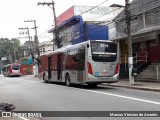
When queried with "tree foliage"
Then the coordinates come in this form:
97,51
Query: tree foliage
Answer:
10,48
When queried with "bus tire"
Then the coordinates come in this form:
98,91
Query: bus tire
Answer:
92,85
67,80
44,78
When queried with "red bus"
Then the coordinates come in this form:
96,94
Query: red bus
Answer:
12,70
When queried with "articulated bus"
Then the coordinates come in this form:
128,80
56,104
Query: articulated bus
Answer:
12,70
90,62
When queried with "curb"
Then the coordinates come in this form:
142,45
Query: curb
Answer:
134,87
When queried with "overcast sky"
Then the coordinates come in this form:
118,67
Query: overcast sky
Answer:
14,12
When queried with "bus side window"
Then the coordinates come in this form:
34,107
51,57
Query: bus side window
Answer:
81,58
39,63
81,54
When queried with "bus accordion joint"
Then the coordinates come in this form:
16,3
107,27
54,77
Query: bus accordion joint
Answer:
89,68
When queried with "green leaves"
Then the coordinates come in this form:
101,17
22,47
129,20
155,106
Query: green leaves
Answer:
12,47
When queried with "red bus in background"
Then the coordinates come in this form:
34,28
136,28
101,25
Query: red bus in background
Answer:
12,70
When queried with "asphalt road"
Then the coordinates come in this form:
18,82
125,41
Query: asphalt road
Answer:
31,94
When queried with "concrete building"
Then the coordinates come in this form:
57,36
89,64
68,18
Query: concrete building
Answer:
45,47
81,23
145,31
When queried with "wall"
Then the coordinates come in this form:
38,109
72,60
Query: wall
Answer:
76,31
153,51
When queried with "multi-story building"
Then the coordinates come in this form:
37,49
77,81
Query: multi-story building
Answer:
82,23
145,32
45,47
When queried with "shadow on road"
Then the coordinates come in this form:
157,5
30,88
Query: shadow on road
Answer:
13,76
99,87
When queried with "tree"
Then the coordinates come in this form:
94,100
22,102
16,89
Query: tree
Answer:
17,49
10,48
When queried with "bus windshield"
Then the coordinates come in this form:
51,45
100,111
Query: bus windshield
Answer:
15,67
104,52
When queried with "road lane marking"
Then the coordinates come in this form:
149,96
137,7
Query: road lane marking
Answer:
126,97
115,95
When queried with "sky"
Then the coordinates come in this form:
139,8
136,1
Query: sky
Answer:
13,13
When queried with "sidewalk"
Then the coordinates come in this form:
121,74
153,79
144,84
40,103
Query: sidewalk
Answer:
149,86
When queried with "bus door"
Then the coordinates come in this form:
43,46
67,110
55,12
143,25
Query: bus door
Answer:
59,66
49,67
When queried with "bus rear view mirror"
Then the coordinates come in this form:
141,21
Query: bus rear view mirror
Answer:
87,45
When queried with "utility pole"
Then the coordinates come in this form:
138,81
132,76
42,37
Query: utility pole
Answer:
26,32
30,50
56,39
36,37
128,32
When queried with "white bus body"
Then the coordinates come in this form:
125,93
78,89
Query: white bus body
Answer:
90,62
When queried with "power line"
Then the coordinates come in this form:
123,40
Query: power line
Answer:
94,7
36,37
45,31
57,41
26,28
91,9
106,13
83,12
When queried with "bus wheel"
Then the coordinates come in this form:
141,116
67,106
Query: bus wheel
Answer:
44,78
92,85
68,83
